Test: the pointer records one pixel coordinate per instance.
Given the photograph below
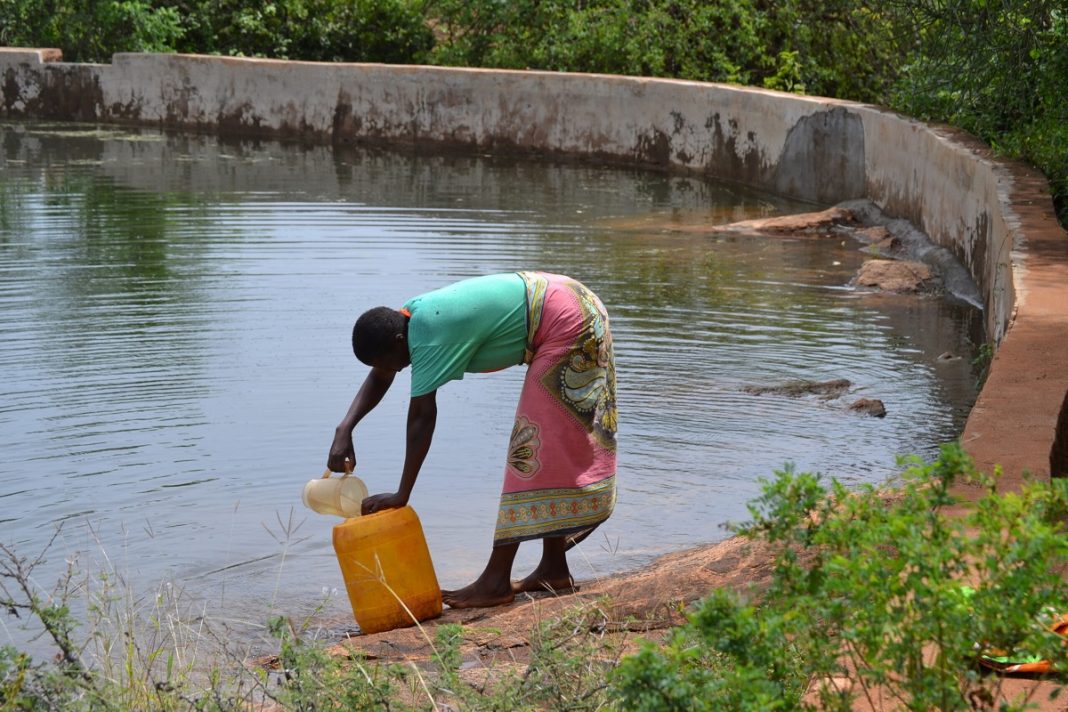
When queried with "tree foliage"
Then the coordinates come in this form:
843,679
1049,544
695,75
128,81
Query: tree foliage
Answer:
313,30
832,47
90,30
996,69
317,30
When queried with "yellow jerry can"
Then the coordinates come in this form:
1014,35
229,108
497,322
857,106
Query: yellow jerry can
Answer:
387,569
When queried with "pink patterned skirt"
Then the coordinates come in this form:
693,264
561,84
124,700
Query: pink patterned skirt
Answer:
560,477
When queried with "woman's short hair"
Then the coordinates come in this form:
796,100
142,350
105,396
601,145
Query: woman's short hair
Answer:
375,333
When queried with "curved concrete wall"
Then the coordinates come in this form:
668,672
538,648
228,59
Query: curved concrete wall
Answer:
996,217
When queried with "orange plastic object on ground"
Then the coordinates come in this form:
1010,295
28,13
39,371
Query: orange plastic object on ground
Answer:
387,569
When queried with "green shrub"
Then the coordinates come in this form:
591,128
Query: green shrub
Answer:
832,47
323,30
872,594
995,69
841,48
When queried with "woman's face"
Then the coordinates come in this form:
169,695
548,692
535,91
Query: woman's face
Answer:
397,358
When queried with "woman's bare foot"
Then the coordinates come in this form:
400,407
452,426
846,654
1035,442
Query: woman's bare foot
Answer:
493,587
478,595
551,574
537,582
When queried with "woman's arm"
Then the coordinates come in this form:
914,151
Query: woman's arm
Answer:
370,394
422,417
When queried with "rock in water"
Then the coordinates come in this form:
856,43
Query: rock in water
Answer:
894,276
869,406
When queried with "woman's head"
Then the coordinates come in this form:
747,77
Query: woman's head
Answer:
380,338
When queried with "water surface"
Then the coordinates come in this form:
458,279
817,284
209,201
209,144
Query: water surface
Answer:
174,344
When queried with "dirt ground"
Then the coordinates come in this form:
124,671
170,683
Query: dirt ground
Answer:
643,602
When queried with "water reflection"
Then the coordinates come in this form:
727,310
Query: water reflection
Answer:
175,326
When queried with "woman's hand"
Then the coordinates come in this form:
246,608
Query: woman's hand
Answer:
379,502
342,456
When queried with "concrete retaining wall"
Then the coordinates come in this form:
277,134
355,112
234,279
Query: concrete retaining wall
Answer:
996,217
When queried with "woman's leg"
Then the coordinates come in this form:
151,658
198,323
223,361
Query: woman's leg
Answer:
552,573
493,587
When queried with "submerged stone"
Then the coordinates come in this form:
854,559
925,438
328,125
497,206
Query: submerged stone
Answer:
869,406
795,389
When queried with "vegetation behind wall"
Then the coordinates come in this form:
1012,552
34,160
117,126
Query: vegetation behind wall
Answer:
998,70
